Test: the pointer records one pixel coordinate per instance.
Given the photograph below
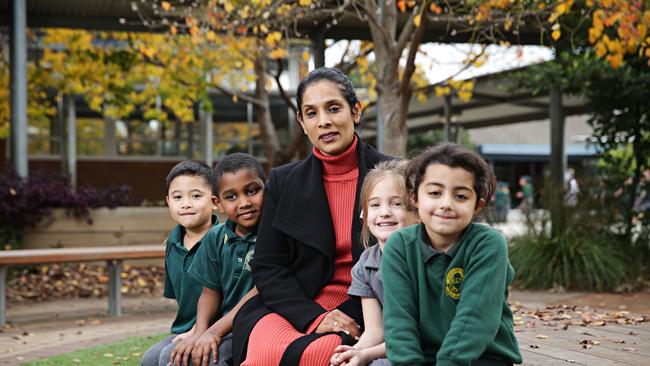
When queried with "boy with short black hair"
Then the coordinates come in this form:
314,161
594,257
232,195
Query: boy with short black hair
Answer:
191,198
222,266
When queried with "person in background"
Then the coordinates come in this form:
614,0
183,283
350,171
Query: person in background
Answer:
525,195
502,201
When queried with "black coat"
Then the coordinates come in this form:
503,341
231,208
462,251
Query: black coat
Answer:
295,251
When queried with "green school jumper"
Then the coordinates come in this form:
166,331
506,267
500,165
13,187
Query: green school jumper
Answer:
223,264
448,308
178,284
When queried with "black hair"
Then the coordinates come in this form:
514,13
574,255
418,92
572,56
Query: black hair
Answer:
333,75
193,168
234,162
454,156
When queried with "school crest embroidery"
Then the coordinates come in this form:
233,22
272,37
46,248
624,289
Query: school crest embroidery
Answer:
453,281
247,260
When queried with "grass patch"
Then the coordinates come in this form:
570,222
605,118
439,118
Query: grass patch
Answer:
125,352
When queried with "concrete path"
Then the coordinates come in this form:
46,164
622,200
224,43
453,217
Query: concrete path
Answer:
46,329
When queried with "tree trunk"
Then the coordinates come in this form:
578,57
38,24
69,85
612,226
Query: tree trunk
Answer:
395,132
270,142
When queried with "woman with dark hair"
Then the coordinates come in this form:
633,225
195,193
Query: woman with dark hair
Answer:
308,238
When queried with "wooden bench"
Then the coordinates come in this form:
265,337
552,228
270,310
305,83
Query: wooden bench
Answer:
114,256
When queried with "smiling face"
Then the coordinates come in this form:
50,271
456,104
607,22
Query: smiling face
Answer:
240,198
191,202
446,202
327,119
386,210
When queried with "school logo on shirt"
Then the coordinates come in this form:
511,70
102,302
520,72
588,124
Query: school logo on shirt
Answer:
453,281
247,260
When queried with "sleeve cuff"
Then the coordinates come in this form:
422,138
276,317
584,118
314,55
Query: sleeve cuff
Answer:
314,324
443,362
359,291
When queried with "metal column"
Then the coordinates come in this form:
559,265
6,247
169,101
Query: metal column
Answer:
71,140
3,295
208,136
249,120
318,49
115,287
447,109
18,50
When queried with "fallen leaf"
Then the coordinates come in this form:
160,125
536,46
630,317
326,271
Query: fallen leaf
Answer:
628,349
542,336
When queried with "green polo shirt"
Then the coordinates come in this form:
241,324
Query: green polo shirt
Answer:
223,264
448,308
179,284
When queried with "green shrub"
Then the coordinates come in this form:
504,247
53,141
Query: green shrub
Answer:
577,260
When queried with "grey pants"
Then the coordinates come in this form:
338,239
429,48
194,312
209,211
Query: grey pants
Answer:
158,354
379,362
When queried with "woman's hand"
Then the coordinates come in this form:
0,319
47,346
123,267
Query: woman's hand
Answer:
208,342
349,356
338,321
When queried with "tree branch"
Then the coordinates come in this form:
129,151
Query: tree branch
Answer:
244,97
283,93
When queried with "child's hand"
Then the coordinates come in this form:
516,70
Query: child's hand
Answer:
209,341
180,337
349,356
183,350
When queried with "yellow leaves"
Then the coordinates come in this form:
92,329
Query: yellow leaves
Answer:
166,5
228,6
273,38
149,52
211,36
556,33
642,31
594,34
464,89
363,64
173,30
278,53
304,2
417,19
441,91
615,60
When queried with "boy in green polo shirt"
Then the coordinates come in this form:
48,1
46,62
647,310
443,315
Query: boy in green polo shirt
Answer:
191,199
446,279
222,265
